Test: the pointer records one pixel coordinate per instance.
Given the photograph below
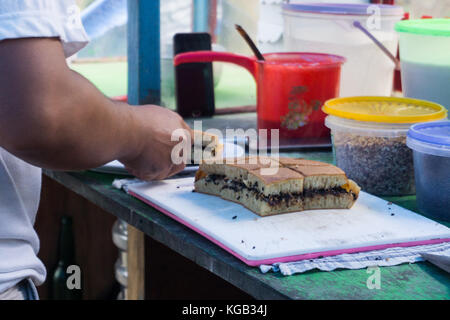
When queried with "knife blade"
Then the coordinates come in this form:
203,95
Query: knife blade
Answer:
440,261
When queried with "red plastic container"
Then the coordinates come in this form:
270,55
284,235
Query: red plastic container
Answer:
292,87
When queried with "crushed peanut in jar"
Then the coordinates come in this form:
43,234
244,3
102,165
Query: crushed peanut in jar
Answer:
380,165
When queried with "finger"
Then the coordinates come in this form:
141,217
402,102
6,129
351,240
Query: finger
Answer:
130,171
176,169
162,173
147,175
185,125
161,176
188,134
144,176
189,131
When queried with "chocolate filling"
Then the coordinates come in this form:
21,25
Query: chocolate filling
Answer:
274,200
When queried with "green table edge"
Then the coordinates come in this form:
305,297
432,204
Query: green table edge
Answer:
407,281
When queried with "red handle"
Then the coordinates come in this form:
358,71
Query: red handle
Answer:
210,56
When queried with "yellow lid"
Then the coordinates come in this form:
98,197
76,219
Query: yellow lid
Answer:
385,109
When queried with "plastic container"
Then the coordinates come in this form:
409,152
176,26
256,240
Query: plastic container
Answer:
425,59
430,143
369,140
328,28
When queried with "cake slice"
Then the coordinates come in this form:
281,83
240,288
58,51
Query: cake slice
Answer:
297,185
325,187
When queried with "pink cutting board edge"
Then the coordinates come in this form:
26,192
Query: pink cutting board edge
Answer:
305,256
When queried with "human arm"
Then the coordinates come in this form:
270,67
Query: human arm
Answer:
52,117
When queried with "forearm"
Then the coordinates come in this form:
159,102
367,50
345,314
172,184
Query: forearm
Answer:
67,123
91,130
87,136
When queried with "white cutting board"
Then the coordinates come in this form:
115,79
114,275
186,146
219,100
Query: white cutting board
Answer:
370,224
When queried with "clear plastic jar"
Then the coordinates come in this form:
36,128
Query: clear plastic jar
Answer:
430,143
375,155
425,59
369,140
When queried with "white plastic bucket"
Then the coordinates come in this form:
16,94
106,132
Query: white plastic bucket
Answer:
328,28
425,58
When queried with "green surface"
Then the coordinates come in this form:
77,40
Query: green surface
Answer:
404,282
109,77
236,86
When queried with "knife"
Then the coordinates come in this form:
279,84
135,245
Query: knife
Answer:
440,261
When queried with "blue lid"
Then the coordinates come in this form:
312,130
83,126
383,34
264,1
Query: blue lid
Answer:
431,132
344,8
431,138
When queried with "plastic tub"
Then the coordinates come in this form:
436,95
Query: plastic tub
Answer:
328,28
425,59
369,140
430,143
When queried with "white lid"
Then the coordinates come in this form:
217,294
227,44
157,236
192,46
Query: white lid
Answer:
365,128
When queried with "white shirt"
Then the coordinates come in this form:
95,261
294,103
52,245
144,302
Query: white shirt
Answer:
20,182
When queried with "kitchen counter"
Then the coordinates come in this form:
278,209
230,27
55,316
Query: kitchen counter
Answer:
407,281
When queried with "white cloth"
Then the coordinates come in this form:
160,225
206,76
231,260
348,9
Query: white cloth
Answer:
381,258
20,182
14,293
